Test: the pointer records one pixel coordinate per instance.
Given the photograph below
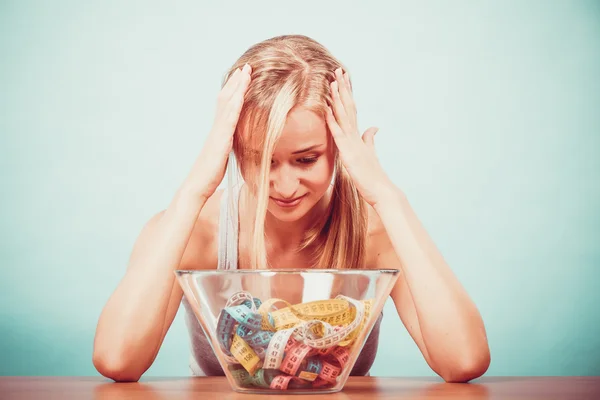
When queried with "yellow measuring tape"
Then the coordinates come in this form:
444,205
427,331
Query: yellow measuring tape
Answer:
302,345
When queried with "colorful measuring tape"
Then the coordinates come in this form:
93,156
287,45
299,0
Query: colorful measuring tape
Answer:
299,346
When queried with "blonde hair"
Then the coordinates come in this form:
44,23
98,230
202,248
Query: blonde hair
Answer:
295,71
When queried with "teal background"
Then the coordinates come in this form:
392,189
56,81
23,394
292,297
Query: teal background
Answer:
489,116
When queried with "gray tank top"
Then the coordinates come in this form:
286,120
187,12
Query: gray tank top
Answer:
202,360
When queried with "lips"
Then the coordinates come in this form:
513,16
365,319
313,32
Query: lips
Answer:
288,203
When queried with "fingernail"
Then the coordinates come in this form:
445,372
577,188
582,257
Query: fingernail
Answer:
246,67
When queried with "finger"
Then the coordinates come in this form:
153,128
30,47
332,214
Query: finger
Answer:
347,79
345,94
338,107
234,104
349,87
230,86
234,108
239,81
246,76
334,127
247,69
244,79
369,137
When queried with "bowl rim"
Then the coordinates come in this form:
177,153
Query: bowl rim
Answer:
286,271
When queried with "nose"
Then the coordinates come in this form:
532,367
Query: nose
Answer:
285,182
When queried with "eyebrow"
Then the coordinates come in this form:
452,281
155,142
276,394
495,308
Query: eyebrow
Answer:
313,147
307,149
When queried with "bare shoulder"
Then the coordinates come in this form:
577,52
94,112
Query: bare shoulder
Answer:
375,226
378,241
202,248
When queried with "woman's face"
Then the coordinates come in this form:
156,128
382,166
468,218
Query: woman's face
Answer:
302,166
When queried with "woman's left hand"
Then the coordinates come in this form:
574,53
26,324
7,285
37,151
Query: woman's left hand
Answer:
358,155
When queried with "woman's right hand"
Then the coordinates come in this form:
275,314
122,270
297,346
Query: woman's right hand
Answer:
215,153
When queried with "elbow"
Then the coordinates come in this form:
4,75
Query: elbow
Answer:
114,366
469,369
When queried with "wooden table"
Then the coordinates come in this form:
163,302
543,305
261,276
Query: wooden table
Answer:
372,388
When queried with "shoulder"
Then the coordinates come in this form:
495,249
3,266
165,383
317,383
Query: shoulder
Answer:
201,251
378,242
375,225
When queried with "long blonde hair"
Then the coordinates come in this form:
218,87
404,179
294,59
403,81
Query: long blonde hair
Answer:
295,71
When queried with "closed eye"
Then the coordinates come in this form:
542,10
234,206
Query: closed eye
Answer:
308,160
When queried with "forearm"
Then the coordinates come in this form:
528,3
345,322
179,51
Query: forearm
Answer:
131,327
451,326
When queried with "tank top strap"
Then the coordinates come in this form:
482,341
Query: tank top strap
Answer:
228,228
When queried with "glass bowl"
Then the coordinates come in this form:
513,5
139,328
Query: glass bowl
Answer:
287,330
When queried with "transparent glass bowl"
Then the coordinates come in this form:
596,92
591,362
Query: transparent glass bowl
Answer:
287,330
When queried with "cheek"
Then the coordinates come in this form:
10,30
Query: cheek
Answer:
320,174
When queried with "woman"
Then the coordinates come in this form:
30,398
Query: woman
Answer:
314,195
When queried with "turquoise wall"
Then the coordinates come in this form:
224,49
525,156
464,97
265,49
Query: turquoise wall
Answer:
489,121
